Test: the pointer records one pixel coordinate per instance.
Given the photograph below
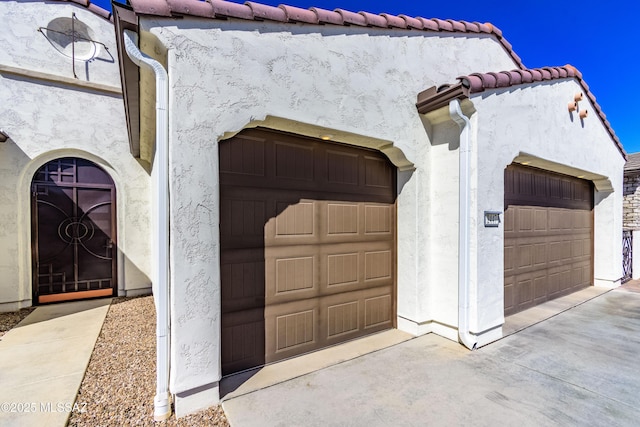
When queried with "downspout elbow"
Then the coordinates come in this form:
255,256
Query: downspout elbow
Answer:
162,399
464,283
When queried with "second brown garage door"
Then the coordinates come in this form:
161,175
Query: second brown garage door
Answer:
307,246
548,236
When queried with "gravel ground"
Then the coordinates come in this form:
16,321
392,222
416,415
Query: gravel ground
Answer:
119,385
9,320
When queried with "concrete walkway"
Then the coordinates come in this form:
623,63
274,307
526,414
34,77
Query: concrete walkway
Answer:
43,361
580,367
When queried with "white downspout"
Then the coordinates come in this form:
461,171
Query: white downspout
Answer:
162,399
461,120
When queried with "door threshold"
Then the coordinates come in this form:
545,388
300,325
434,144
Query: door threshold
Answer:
72,296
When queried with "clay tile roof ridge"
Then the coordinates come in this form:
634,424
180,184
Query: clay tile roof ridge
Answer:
479,82
251,10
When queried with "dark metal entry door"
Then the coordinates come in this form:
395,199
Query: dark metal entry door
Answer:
73,238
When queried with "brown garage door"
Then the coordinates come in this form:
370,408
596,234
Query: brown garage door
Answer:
548,236
307,234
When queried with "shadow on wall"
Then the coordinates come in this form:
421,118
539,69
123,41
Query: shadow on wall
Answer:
307,235
13,159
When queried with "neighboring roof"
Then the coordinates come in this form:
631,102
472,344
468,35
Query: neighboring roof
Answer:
220,9
633,162
437,97
91,8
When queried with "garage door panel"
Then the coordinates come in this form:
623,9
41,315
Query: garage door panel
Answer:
524,287
509,258
378,174
378,311
541,220
509,297
302,326
290,329
294,219
337,268
539,287
342,219
509,223
241,271
342,269
329,222
241,285
294,161
245,157
294,274
318,219
342,168
525,256
525,219
378,219
540,257
343,319
581,221
378,265
245,218
291,276
242,339
547,238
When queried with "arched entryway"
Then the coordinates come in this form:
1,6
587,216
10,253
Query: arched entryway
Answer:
73,239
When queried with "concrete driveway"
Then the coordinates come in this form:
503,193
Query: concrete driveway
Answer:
580,367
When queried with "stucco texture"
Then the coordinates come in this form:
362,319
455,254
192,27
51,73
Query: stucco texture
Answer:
360,85
48,119
228,75
532,123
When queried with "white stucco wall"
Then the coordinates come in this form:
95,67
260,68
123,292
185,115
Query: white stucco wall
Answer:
532,123
360,83
46,117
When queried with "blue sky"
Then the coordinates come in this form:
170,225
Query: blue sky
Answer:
599,37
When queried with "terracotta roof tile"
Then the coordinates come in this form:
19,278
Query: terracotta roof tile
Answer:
192,8
374,20
443,25
458,26
157,7
429,24
472,27
226,9
262,11
352,18
221,9
327,16
433,98
394,21
412,22
297,14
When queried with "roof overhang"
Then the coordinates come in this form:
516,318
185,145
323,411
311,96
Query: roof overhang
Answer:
435,98
126,19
